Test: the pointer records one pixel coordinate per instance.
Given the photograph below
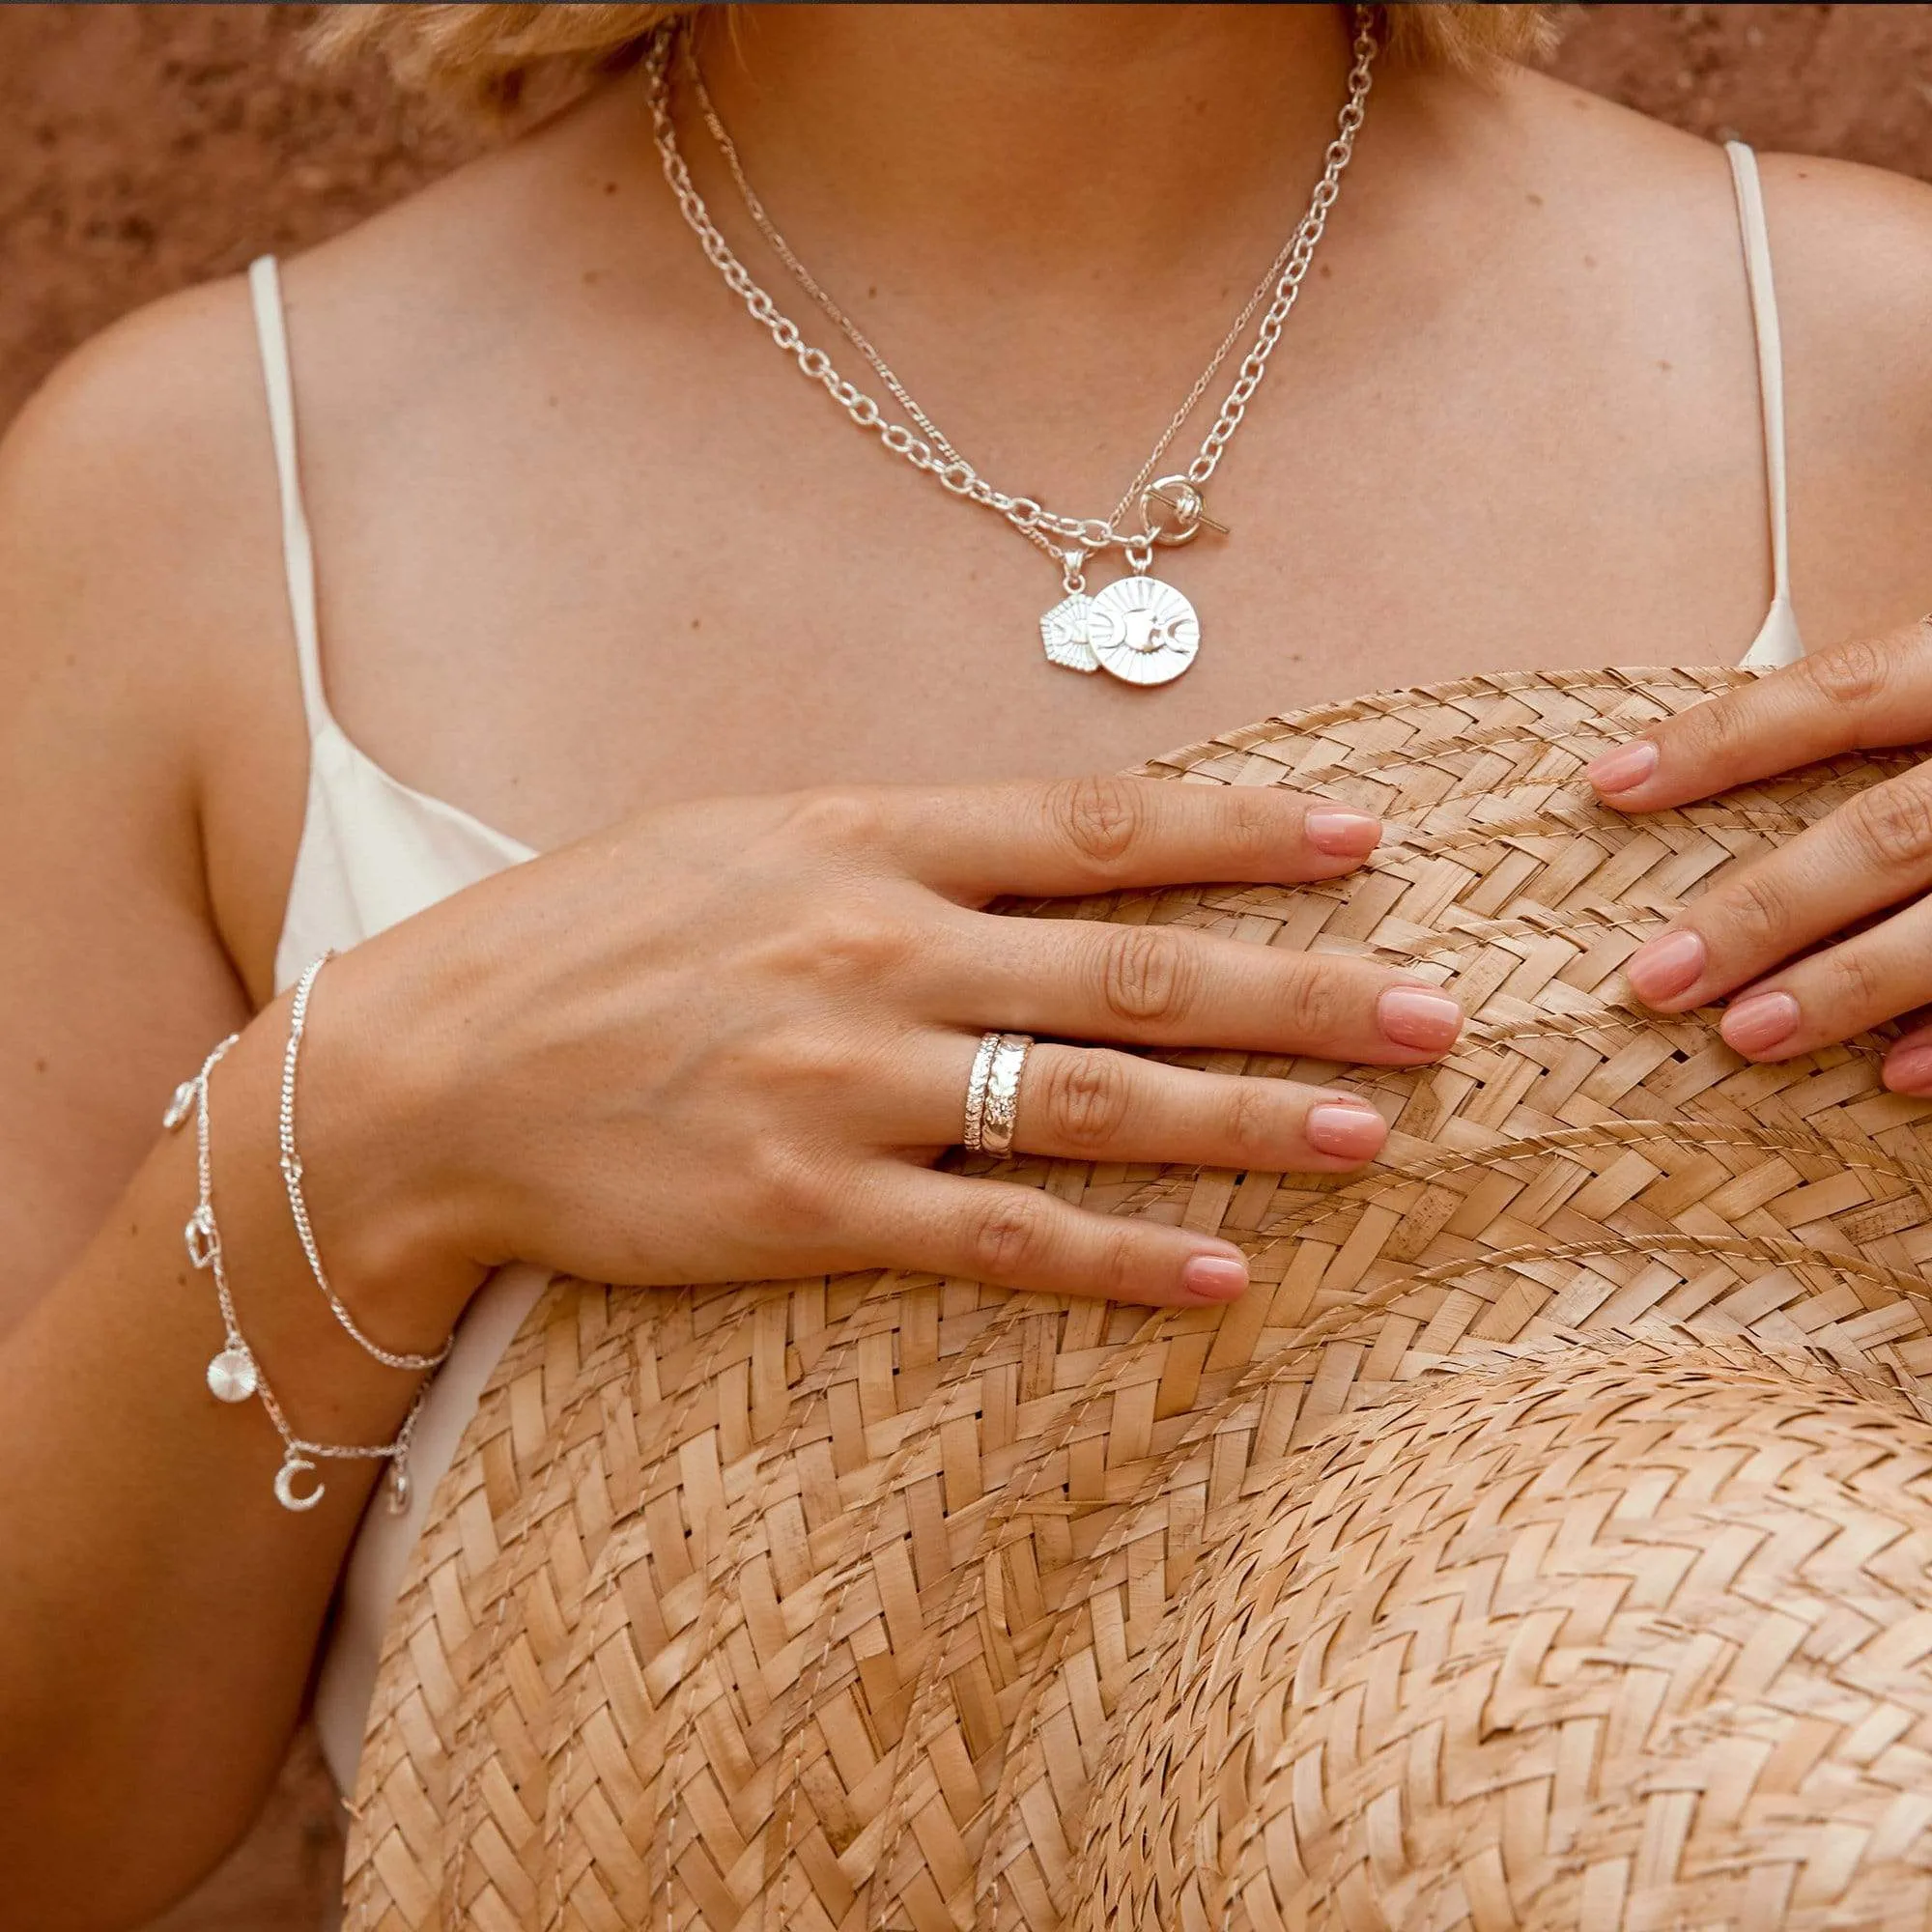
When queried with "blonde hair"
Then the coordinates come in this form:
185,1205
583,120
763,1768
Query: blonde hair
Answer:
485,56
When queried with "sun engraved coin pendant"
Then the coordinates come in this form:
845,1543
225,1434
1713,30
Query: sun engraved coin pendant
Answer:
1143,630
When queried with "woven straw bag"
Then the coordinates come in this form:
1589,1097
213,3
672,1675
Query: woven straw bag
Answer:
1542,1542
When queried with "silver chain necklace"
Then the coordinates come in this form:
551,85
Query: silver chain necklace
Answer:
1139,628
754,208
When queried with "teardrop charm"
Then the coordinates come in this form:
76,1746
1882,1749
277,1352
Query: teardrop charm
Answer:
181,1106
231,1375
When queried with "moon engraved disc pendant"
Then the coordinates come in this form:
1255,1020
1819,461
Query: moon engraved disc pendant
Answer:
1143,630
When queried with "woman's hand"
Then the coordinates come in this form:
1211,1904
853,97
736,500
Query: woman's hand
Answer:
1873,852
725,1041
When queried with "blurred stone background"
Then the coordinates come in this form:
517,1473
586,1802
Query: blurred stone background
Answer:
146,147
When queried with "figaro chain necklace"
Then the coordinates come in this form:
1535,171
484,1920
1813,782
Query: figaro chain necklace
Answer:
727,151
1140,629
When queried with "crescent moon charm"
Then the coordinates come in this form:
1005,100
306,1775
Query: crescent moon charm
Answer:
294,1466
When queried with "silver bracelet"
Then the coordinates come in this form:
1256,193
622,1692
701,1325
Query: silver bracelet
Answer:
292,1177
234,1373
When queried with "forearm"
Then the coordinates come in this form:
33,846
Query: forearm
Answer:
158,1607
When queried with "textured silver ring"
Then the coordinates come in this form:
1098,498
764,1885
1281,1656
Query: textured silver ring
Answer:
975,1090
1000,1113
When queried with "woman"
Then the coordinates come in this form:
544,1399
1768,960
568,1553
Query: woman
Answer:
600,579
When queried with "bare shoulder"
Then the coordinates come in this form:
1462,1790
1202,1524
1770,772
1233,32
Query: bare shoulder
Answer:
148,690
1851,250
130,494
128,502
1844,218
1852,258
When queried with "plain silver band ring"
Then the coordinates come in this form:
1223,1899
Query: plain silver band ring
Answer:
975,1090
999,1112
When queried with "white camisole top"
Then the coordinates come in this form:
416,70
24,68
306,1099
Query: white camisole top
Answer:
373,852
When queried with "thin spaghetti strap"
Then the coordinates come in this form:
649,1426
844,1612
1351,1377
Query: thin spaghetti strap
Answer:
1756,240
265,285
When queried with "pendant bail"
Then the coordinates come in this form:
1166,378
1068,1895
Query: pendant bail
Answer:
1140,554
1071,580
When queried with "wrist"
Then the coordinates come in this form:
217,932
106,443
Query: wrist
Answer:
385,1202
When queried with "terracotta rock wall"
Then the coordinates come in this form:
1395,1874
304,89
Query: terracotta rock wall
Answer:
144,148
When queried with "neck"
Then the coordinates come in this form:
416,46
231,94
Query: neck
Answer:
1021,129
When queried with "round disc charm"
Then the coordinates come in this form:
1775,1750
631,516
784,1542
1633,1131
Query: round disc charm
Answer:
1144,631
231,1376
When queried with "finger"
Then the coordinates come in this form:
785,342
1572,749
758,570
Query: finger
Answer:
1870,978
1908,1065
1086,1103
1873,851
1013,1236
1103,833
1872,692
1163,985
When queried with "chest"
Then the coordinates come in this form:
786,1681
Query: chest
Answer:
603,595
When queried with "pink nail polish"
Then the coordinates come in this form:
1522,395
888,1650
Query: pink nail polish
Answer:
1624,768
1665,967
1418,1018
1756,1024
1909,1071
1340,834
1215,1278
1345,1129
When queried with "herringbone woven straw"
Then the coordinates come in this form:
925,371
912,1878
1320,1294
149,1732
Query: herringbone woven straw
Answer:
1542,1542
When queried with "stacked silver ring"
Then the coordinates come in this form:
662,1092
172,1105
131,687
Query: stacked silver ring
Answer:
993,1091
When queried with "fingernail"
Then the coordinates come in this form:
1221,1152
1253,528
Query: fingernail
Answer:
1627,766
1341,835
1413,1016
1661,969
1215,1277
1910,1071
1348,1129
1759,1022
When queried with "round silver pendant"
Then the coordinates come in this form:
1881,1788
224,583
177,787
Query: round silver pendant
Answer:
231,1376
1143,630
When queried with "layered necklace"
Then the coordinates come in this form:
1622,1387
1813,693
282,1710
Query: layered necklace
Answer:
1139,628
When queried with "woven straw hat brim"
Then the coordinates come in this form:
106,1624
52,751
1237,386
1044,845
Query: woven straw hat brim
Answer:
1542,1542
